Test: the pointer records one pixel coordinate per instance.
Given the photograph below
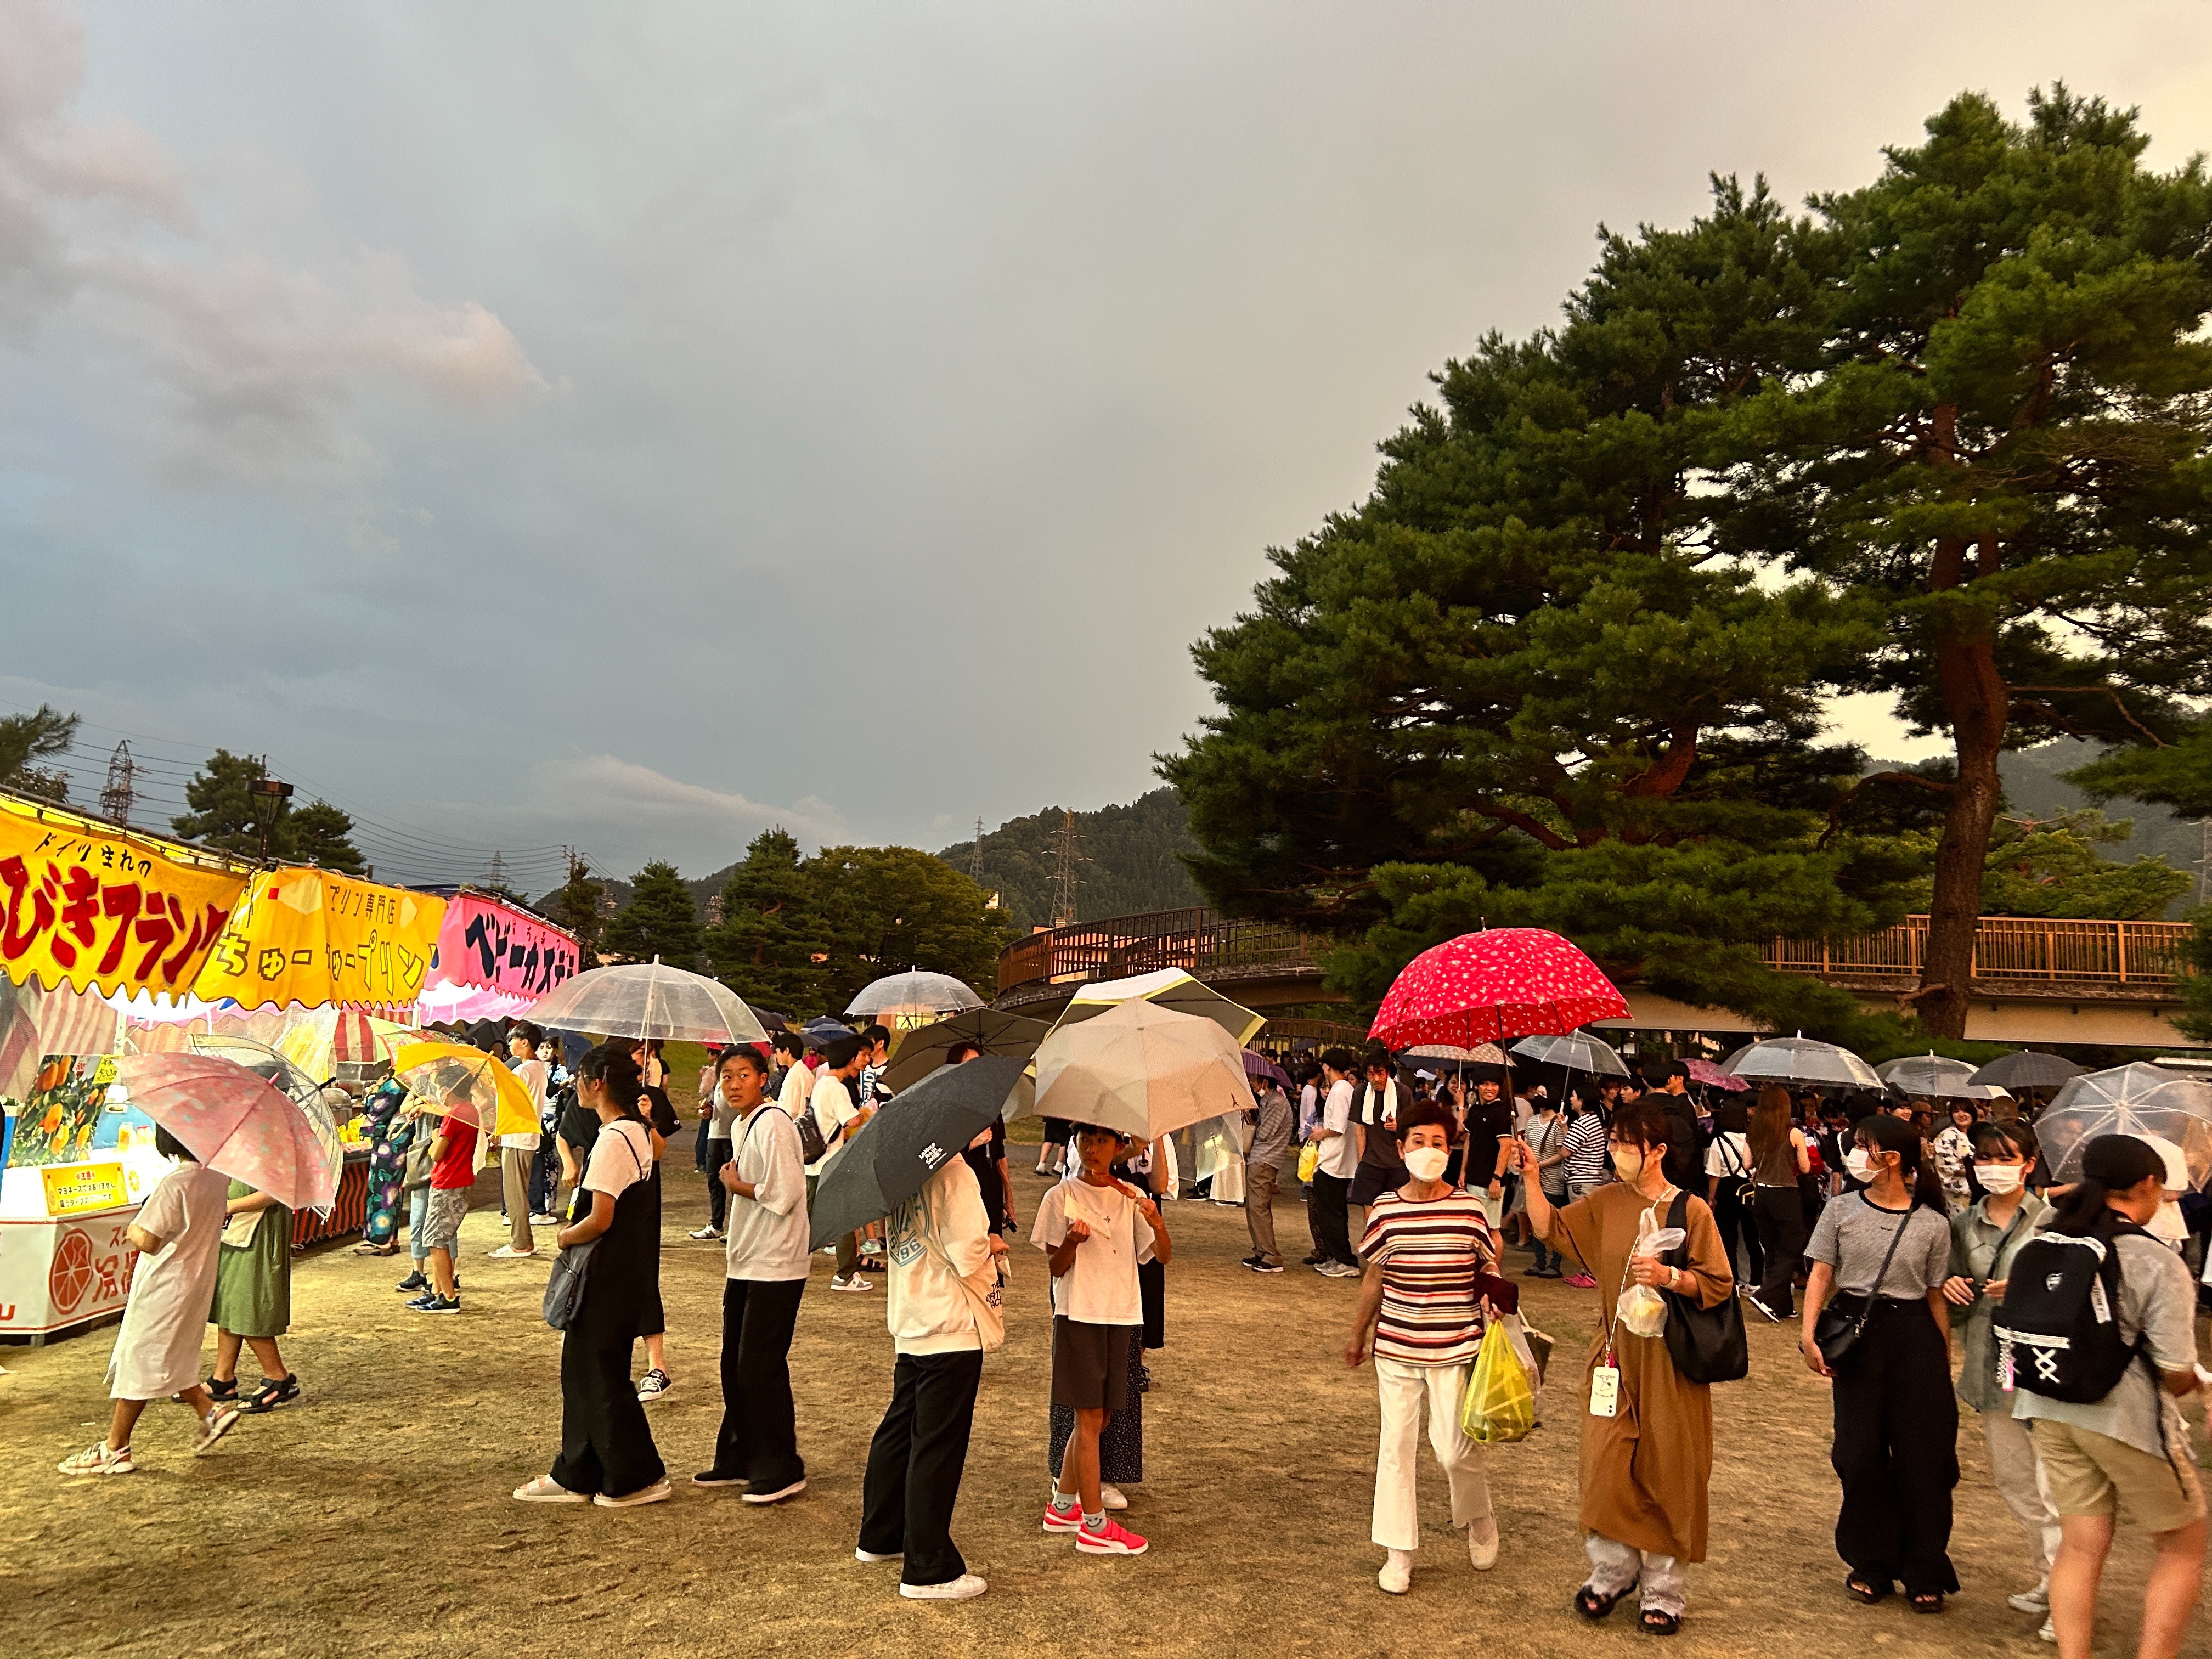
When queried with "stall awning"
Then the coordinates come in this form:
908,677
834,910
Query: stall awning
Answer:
321,939
496,947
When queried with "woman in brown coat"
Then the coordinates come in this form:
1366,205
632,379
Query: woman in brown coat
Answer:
1647,1440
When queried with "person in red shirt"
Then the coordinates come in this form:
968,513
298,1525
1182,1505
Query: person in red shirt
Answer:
453,1174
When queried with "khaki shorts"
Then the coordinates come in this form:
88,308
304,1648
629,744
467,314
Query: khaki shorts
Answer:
2093,1473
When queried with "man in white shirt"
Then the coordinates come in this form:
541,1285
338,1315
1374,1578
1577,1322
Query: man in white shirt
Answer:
945,1314
766,1274
831,1102
1340,1160
518,1151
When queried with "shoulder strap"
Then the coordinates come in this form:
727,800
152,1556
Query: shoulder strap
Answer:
1729,1154
1896,1235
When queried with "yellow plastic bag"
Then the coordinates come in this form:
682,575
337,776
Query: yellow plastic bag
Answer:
1500,1405
1308,1161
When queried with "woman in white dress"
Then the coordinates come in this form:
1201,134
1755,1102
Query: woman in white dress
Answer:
178,1234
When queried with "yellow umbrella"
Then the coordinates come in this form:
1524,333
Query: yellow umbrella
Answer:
467,1084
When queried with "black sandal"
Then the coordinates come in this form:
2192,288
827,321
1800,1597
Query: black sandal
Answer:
1657,1621
1926,1601
222,1392
274,1391
1864,1593
1594,1607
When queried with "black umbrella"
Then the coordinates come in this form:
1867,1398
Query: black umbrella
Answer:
922,1051
2026,1070
821,1031
909,1141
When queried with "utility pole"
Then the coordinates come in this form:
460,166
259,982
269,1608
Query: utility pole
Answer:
976,856
267,796
2205,859
1063,904
117,797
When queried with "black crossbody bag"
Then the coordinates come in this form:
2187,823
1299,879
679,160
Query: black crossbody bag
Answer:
1838,1328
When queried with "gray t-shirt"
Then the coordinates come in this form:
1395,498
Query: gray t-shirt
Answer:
2158,1303
717,1127
1853,1235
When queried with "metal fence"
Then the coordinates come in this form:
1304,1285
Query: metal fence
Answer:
2015,949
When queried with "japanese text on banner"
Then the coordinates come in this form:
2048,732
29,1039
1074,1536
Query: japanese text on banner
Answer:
314,937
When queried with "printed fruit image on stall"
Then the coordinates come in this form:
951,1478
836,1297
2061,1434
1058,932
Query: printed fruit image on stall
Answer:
56,1121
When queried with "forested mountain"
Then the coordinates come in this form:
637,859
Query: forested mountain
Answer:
1125,861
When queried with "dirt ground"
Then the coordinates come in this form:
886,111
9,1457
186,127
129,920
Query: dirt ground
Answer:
373,1517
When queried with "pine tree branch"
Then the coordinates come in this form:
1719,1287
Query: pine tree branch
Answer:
1836,807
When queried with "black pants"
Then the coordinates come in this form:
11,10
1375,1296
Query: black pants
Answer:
759,1439
915,1464
1330,1204
1779,1213
718,1195
1733,1214
544,1172
605,1442
1896,1451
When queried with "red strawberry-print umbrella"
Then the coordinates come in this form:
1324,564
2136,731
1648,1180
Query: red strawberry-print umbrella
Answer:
1493,987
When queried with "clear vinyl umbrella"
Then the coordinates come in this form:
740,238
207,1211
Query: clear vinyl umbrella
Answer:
1578,1052
1932,1077
2139,1099
645,999
2026,1070
914,993
1802,1060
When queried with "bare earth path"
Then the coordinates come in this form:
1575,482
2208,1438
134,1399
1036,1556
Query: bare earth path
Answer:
373,1519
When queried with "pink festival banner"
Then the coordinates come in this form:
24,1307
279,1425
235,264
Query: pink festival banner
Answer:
486,943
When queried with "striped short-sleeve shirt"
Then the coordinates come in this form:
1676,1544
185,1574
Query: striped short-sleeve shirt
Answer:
1430,1253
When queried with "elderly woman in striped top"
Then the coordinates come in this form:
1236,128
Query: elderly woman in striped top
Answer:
1431,1268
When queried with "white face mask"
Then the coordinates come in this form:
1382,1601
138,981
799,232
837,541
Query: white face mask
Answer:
1998,1177
1427,1163
1859,1162
1628,1162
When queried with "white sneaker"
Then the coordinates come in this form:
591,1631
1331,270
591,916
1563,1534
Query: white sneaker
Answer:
658,1492
702,1234
1110,1498
544,1489
1481,1550
97,1459
791,1491
2048,1633
1397,1575
546,1221
2031,1601
855,1283
863,1555
958,1590
508,1252
653,1384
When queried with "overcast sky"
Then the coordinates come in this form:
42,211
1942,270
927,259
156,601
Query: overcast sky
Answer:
634,426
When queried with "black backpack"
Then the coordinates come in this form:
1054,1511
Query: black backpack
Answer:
2058,1330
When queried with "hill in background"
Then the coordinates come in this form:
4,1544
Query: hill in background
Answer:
1125,861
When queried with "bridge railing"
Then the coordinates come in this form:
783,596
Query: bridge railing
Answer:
2019,950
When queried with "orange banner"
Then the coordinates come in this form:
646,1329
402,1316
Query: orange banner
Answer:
86,905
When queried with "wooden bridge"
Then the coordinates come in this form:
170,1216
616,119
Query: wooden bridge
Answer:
2034,980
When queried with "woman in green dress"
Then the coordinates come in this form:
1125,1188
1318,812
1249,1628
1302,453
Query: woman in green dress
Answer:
253,1303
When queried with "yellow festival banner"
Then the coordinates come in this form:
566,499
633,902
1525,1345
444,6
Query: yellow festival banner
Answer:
86,905
315,937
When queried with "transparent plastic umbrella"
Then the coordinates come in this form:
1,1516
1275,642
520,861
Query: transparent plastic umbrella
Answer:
2138,1099
2028,1070
649,1000
917,993
1802,1060
1932,1077
1577,1052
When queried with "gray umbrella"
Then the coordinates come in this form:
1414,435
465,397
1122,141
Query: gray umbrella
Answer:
1802,1060
919,1052
2026,1070
1934,1077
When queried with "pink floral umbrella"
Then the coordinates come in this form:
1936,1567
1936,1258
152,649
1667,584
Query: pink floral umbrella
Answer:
1493,987
236,1123
1704,1072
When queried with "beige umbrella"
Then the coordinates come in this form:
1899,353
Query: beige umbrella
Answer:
1169,987
1141,1069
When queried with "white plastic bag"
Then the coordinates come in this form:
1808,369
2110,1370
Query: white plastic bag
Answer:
1641,1309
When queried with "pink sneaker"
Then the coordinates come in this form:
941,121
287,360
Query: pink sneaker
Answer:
1112,1539
1055,1522
1581,1281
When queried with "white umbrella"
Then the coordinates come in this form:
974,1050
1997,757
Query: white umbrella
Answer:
1577,1052
1141,1069
1931,1077
1169,987
2138,1099
1802,1060
649,1000
914,993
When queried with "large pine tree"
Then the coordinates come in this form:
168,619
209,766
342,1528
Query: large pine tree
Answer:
766,946
658,921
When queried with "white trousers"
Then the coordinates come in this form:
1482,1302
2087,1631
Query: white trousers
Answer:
1614,1567
1402,1387
2018,1476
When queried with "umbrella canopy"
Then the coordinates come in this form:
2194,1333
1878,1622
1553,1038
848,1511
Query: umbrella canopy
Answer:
1933,1077
821,1032
2138,1099
649,999
1575,1053
1483,1054
1169,987
236,1122
467,1084
1493,987
2026,1070
922,1051
1704,1072
1140,1070
301,1090
1258,1065
914,993
898,1150
1802,1060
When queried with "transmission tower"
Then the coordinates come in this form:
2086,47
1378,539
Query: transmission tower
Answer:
1063,903
495,873
116,796
976,856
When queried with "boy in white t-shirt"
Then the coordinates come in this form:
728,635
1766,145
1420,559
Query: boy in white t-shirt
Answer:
1096,1233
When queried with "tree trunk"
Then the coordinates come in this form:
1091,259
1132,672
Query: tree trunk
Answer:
1976,699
